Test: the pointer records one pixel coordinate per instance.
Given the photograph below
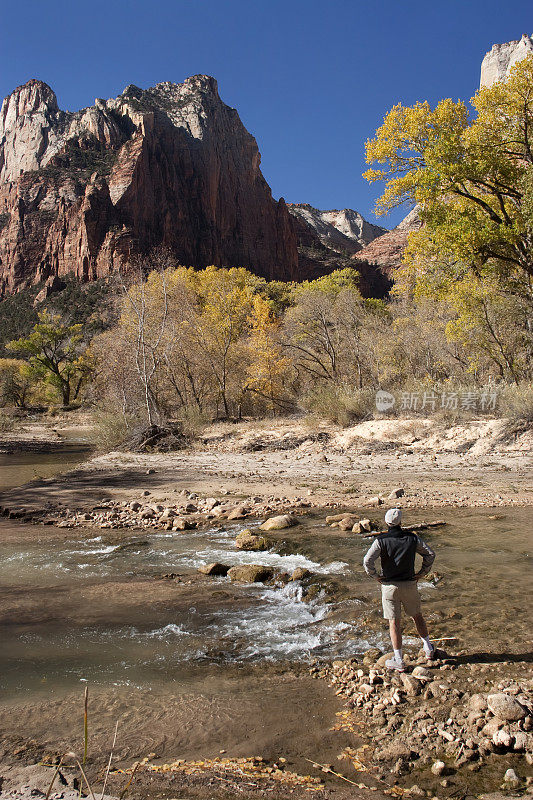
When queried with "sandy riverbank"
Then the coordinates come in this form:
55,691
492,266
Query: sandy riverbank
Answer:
481,463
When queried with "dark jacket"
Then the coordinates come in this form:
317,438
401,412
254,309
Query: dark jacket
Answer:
397,549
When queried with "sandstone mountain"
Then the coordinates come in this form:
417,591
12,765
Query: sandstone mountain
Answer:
83,192
386,251
502,57
342,231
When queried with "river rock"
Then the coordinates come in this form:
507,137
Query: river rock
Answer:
422,674
239,512
372,656
395,494
505,707
279,522
477,702
181,524
396,749
411,685
347,522
492,726
363,526
502,738
523,741
374,501
335,518
299,574
246,540
216,568
511,777
250,573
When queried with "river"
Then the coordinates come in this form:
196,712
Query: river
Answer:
223,665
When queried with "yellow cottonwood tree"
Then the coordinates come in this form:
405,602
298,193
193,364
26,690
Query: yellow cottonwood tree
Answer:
472,180
269,369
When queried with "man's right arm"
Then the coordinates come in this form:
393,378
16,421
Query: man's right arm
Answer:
428,557
369,561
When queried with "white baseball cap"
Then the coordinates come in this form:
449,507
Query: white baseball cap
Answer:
393,516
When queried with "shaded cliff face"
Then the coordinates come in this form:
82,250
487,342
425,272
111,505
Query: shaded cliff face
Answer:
84,192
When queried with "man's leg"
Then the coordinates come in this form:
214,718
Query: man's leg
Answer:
392,611
422,629
395,629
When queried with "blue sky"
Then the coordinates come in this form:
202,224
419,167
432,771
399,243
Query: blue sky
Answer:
311,80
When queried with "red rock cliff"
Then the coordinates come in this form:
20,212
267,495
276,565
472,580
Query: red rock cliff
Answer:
84,192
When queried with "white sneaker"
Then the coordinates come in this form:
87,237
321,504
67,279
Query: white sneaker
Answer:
395,663
431,655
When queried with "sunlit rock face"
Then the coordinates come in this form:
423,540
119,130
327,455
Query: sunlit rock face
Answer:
341,230
387,251
499,61
84,192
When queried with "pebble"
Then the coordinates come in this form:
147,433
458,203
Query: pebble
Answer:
511,776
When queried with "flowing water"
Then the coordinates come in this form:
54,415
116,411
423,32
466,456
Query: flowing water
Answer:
77,607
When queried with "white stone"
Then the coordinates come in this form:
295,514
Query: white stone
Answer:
505,707
499,61
339,230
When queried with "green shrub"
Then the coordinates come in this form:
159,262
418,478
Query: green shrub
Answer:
111,428
193,421
7,422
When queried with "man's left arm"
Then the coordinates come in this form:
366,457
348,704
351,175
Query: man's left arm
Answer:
428,557
369,561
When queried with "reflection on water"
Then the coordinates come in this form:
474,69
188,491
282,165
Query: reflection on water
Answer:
19,468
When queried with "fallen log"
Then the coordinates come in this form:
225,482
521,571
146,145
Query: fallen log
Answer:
419,526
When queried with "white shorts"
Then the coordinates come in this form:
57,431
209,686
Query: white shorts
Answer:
396,595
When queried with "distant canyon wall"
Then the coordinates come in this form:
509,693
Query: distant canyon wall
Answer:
499,61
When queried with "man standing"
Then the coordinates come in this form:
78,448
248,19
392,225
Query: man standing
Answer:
397,549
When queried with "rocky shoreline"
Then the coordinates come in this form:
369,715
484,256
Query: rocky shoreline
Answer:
447,723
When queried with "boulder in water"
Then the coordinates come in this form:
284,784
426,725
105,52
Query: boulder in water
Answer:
215,569
300,573
250,573
246,540
279,522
